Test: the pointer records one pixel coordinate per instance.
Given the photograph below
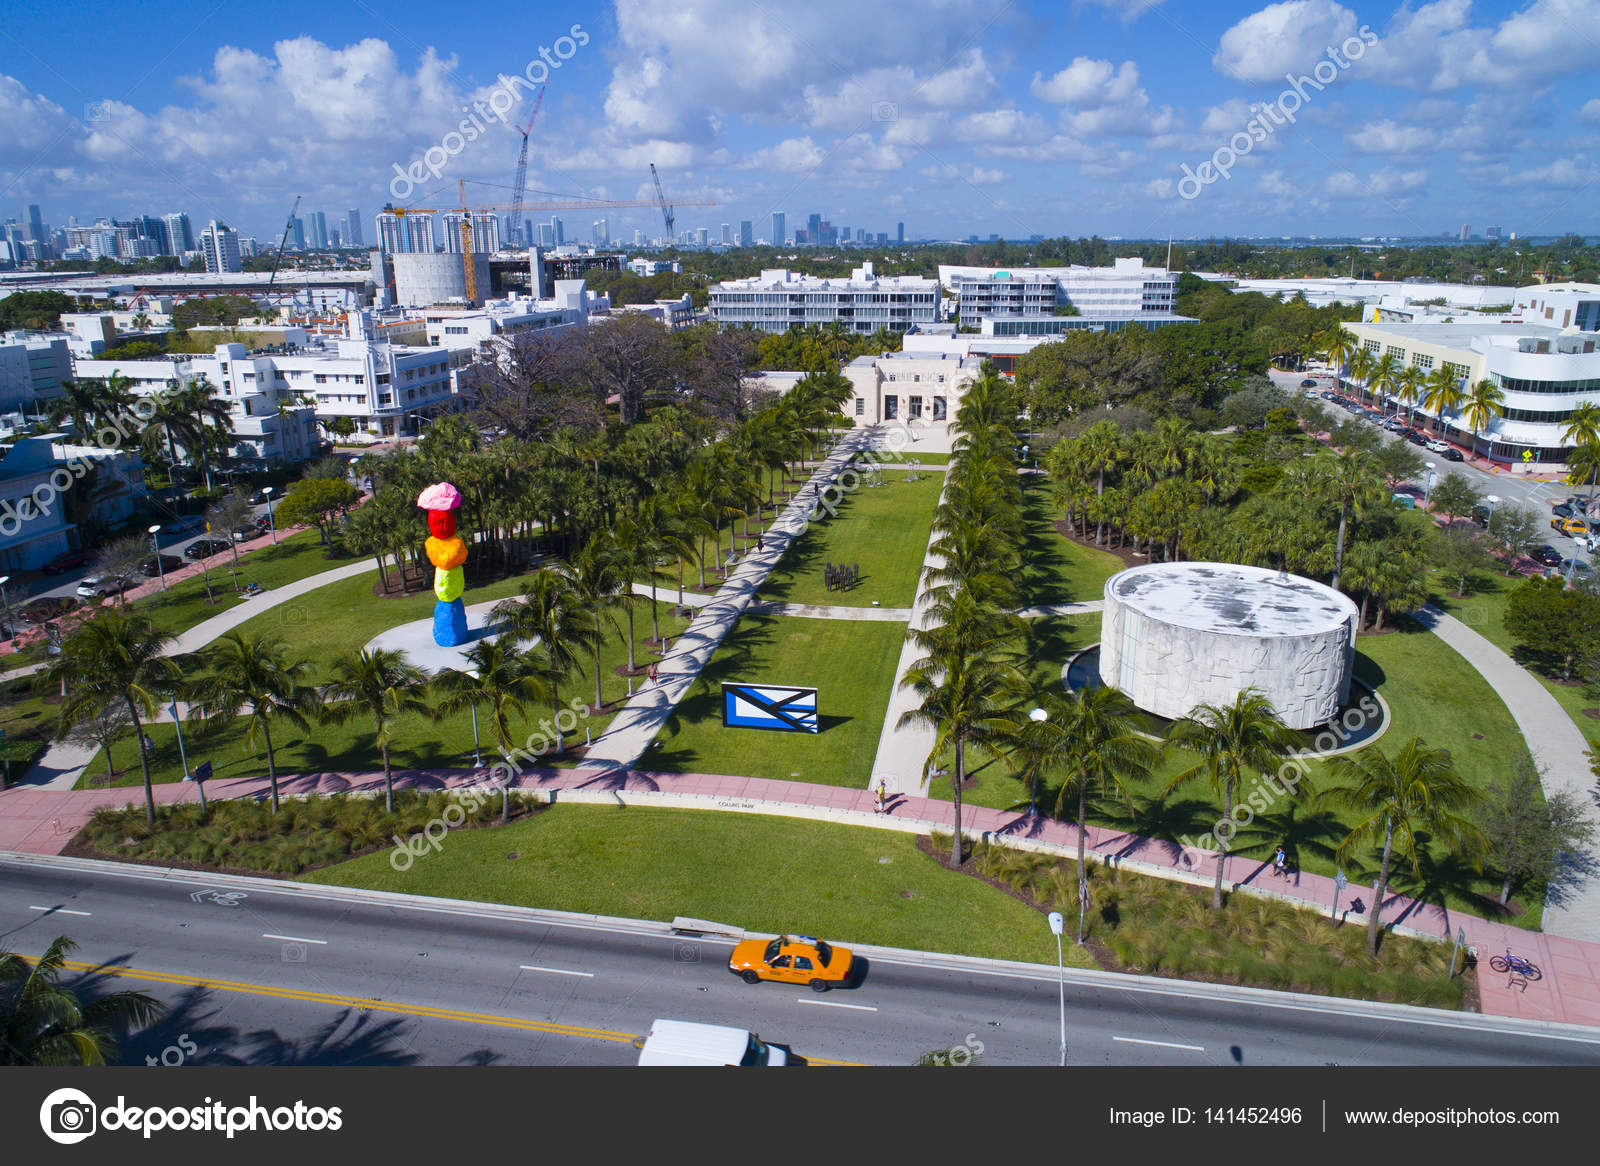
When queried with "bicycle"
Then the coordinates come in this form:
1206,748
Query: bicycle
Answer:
1515,963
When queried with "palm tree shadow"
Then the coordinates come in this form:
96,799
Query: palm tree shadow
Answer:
1302,833
1445,877
1152,820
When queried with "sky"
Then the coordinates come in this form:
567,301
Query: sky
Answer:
1122,118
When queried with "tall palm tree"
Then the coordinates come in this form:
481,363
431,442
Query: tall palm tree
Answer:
1415,792
1362,366
1230,739
1484,403
1099,451
257,674
551,610
505,678
1353,482
212,426
1442,393
1408,390
44,1023
1338,349
1582,430
1385,380
119,655
633,549
596,580
93,404
1090,736
381,684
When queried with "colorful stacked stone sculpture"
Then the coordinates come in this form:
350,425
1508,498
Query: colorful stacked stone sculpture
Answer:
446,552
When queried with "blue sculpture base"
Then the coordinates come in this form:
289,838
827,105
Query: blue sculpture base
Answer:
450,623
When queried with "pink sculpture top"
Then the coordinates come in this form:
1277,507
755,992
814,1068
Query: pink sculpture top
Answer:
440,496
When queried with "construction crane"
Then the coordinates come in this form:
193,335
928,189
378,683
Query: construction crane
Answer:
661,198
282,243
522,168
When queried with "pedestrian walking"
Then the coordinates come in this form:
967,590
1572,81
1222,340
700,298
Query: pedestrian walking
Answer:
652,674
760,543
1280,864
882,798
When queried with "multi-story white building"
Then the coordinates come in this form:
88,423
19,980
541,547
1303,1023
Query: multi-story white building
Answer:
911,387
32,370
405,234
49,469
221,247
645,268
1559,305
179,233
1543,372
778,300
485,232
1125,290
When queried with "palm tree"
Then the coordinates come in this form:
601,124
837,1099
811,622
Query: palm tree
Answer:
1091,737
43,1023
1385,379
1230,739
1583,431
1362,365
552,611
595,579
505,678
94,404
1484,403
381,684
1442,393
1408,390
1100,449
1337,349
117,655
1353,482
259,674
632,549
965,693
1416,792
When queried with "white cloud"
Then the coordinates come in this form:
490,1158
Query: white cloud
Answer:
1390,137
1127,9
966,172
1159,188
1436,48
1103,100
1283,38
1383,183
1590,112
1562,174
790,156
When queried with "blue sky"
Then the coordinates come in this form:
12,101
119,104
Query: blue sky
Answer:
957,117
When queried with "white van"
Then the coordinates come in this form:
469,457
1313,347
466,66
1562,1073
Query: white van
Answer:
683,1042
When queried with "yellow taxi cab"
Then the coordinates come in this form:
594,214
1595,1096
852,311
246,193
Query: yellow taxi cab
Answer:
792,959
1572,527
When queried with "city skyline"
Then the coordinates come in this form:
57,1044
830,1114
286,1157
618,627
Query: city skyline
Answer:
1296,118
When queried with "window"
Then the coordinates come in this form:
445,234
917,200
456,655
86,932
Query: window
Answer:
861,406
938,409
891,407
915,407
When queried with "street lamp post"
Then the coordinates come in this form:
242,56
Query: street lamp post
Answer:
4,579
1056,926
155,545
1038,716
1427,490
271,523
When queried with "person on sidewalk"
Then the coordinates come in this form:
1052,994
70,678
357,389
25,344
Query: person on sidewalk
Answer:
881,798
1280,865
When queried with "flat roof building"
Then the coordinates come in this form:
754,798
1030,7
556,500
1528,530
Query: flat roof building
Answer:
778,300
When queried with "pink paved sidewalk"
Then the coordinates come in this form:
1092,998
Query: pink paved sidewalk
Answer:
37,821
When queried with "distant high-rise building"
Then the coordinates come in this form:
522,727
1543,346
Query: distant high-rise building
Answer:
638,237
557,231
1491,232
400,234
179,234
602,233
352,228
747,233
802,237
36,224
297,232
485,232
703,236
335,239
861,235
778,231
547,235
899,232
154,232
842,235
883,238
814,230
1466,232
727,235
221,247
319,231
827,234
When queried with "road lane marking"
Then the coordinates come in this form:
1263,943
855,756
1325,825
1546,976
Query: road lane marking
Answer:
370,1005
59,910
555,971
1133,1040
294,939
835,1004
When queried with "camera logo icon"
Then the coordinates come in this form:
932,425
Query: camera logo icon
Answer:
294,953
294,615
67,1116
885,111
686,953
95,112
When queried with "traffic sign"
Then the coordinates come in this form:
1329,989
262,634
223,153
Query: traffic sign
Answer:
1527,455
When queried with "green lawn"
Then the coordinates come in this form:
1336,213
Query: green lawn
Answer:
1432,693
850,664
884,529
1056,570
419,742
765,874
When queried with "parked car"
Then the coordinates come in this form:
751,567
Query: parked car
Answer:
66,561
259,497
1571,527
1438,446
204,548
1405,500
1576,566
1546,555
1452,454
796,959
188,524
168,563
1417,439
100,586
1565,510
1308,383
246,531
46,608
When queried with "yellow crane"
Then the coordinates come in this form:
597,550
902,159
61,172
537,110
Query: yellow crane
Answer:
584,204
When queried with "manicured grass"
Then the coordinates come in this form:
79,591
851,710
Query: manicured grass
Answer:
419,742
884,529
851,664
766,874
1055,569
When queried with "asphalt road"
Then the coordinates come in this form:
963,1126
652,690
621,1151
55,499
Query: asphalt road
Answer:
284,974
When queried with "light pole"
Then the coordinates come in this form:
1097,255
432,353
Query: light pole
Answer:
1427,490
155,545
1056,926
271,523
1493,500
1038,716
4,579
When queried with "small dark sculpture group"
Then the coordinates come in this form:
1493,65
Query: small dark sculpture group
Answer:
838,577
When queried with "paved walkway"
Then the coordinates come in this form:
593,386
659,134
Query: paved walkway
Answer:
36,821
1558,747
634,728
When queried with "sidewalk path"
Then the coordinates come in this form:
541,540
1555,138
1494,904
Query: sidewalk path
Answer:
34,821
634,728
1558,747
